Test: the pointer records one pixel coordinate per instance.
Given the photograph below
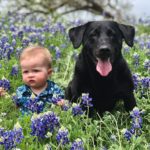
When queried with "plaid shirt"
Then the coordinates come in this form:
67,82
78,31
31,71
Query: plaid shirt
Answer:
28,102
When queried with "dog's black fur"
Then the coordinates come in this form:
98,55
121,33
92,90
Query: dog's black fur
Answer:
102,40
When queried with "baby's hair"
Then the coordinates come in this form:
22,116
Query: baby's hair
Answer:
31,51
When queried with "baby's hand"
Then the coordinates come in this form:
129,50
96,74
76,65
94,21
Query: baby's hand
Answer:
61,102
2,91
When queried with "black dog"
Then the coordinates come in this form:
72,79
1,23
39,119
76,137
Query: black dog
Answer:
101,69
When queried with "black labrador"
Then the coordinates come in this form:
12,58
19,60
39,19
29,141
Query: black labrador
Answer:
100,69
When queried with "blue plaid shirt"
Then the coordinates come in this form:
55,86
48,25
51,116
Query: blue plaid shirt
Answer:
28,102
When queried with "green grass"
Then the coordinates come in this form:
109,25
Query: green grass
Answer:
96,133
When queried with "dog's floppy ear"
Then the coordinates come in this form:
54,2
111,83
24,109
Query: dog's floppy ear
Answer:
76,35
128,33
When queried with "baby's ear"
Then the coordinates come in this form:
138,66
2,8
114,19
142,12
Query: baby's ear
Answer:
50,70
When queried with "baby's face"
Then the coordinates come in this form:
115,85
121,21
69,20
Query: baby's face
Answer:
35,72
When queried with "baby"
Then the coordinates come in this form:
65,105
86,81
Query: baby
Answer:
37,92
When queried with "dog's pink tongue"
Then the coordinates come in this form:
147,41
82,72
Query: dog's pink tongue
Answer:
104,67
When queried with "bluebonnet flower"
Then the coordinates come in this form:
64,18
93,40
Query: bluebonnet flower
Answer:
14,70
127,134
63,46
76,110
136,80
136,124
136,121
14,35
4,83
136,59
60,27
58,53
66,106
13,43
25,42
145,82
20,34
62,136
46,28
142,44
4,39
148,45
60,102
77,145
9,53
56,99
86,100
35,105
147,64
43,123
12,28
9,139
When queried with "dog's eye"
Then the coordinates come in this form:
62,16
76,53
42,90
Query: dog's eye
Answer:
110,33
93,34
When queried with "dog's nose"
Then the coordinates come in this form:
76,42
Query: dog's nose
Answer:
104,52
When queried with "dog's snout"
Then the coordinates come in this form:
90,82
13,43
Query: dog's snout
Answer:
103,52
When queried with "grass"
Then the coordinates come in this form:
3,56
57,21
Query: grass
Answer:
95,133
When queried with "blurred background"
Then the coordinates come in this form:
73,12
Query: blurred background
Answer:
119,10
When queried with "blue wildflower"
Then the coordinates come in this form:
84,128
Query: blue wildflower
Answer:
127,134
57,100
62,136
136,118
145,82
147,64
34,105
136,80
142,44
58,52
13,43
77,145
20,34
14,70
43,123
136,59
9,139
4,83
136,124
86,100
77,110
65,107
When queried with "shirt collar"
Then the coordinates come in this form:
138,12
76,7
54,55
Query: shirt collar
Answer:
26,89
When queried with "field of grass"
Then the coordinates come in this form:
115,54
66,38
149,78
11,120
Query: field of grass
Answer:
69,128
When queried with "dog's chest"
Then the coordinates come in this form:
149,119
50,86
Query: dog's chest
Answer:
102,86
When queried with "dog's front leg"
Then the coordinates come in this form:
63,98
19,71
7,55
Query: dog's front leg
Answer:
129,102
73,91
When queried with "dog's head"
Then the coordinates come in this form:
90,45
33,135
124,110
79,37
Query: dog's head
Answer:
102,41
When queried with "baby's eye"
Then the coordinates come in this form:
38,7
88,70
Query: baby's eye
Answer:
25,72
36,70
